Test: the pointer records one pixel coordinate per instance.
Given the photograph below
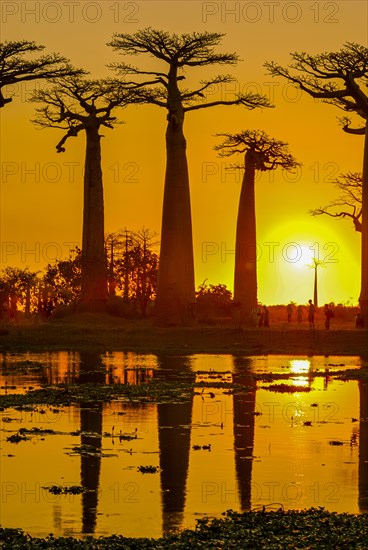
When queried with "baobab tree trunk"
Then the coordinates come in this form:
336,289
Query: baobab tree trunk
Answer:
175,285
245,279
363,298
94,276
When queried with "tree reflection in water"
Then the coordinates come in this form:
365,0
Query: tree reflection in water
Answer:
243,424
174,425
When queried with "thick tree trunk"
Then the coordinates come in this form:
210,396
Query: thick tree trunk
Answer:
363,298
176,287
94,276
245,280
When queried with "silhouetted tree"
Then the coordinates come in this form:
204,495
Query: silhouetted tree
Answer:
349,203
112,244
144,273
339,78
176,287
64,277
75,104
261,153
213,301
18,287
316,263
14,68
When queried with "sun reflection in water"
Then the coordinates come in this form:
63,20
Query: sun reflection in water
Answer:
302,368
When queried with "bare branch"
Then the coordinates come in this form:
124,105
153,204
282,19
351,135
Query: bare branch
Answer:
350,187
335,77
75,104
14,68
251,101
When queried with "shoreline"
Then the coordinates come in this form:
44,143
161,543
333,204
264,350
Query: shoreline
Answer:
308,528
103,333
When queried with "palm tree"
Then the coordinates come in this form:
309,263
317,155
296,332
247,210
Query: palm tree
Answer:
315,265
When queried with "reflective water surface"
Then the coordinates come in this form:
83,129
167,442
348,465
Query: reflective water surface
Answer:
217,450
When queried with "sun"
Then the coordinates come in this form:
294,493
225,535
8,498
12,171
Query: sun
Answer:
304,255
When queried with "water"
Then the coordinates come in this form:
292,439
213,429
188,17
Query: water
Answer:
266,448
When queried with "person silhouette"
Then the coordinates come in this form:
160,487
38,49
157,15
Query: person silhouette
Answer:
266,317
300,314
328,316
359,323
289,310
311,313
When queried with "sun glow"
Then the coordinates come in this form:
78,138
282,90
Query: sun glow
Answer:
304,256
300,367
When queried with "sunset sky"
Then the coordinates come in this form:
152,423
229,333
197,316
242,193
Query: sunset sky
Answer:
41,191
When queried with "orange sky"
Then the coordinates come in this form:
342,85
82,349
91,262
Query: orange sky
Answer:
42,211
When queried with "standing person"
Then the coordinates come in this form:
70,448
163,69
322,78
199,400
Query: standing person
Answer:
300,314
289,310
266,317
328,316
260,318
311,313
359,323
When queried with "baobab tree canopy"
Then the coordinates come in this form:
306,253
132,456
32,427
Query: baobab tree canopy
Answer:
335,77
269,153
179,51
15,68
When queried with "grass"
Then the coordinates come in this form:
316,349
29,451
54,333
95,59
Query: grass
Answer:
105,333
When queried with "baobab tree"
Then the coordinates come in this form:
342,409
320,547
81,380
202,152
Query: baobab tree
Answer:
340,79
262,153
74,105
14,68
176,287
349,203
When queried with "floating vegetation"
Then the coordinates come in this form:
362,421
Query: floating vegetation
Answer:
36,431
199,447
89,450
16,438
312,528
68,394
8,419
60,490
148,469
